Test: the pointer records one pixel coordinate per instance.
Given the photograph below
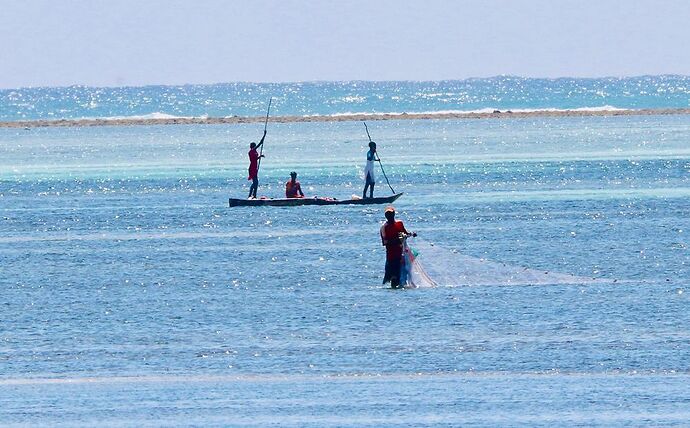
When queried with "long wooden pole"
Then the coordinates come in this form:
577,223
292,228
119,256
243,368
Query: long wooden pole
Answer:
261,151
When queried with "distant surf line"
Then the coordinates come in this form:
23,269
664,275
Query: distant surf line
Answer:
164,119
343,377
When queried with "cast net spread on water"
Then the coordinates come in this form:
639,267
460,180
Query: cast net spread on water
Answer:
412,274
428,265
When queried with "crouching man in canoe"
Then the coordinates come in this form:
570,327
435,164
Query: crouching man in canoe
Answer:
292,188
392,233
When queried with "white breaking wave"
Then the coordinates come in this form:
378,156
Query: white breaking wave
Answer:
487,110
438,266
150,116
565,110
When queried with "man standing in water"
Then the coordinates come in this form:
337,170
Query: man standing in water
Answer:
369,178
392,233
254,157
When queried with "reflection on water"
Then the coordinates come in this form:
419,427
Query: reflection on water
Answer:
126,277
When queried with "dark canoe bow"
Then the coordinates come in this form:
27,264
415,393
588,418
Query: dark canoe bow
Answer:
293,202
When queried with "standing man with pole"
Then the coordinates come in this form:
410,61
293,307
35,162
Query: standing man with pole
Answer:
369,179
255,158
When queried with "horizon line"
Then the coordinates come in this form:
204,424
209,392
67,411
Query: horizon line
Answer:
288,82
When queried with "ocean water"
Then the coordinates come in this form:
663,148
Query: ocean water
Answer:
333,98
132,295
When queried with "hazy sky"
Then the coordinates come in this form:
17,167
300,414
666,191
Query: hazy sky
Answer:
138,42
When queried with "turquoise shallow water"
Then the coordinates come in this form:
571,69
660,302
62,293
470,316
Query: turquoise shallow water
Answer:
132,296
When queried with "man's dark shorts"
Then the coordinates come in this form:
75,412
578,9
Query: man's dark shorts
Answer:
392,274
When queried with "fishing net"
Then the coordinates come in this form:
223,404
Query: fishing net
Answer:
429,265
412,273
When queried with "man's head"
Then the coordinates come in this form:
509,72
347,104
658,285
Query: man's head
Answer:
293,175
252,145
372,145
389,212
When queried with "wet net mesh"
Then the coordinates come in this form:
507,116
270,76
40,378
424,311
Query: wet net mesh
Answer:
430,265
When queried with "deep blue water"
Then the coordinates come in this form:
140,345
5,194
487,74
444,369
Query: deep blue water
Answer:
329,98
132,295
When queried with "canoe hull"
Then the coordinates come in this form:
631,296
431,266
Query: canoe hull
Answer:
293,202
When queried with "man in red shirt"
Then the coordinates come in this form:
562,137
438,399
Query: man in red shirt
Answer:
392,232
254,157
293,188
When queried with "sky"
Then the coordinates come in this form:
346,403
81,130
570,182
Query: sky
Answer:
143,42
